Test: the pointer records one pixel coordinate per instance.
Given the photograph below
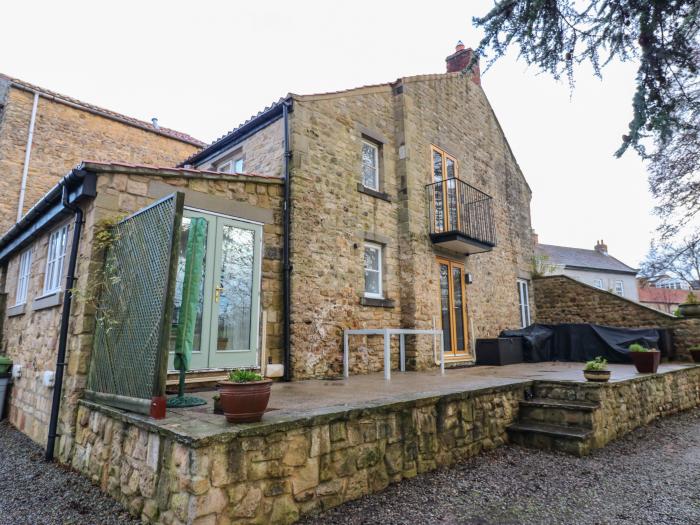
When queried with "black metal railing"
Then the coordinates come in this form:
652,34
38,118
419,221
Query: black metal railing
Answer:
456,207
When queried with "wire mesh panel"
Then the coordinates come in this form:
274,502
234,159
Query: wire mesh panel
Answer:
129,357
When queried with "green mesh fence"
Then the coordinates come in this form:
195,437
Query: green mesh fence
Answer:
129,357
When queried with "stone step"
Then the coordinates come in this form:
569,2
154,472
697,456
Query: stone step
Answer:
584,406
572,440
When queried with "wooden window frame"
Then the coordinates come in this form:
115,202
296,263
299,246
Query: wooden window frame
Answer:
377,149
380,249
446,213
23,274
55,260
455,354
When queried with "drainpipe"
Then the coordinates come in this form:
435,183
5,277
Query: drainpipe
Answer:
65,319
285,248
27,155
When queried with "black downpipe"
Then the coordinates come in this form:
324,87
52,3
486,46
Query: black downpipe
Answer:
285,249
65,319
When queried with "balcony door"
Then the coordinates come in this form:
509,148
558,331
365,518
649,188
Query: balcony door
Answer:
444,190
227,314
453,308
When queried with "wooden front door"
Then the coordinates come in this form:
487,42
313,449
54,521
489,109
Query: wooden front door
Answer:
453,308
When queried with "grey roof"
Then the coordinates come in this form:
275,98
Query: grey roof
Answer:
582,259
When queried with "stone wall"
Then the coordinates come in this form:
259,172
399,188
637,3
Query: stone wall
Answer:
405,118
279,472
626,405
560,299
64,136
30,338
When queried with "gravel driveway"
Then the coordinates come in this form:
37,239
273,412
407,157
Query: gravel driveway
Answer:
33,492
651,476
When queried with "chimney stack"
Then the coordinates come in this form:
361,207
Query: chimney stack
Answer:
601,247
154,121
460,60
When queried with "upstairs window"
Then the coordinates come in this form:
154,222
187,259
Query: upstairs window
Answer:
598,283
373,271
226,167
54,260
238,165
524,302
25,266
235,165
370,165
619,288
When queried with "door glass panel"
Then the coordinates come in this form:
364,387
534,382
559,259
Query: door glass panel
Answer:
438,189
179,282
457,302
235,288
445,307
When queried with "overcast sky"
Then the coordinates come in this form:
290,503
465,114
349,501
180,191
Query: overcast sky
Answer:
204,67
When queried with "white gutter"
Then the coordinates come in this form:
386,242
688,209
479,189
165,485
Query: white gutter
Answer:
27,156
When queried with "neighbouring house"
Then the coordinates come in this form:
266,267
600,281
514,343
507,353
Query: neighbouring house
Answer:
668,282
594,267
44,134
662,299
392,205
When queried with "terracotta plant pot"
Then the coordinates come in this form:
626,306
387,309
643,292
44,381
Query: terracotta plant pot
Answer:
646,362
244,402
597,376
689,309
695,354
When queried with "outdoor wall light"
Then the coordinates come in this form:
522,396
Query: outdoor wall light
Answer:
468,279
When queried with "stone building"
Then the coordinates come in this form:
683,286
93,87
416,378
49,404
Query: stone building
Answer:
44,134
594,267
408,209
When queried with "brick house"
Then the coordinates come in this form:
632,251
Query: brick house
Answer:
393,205
44,134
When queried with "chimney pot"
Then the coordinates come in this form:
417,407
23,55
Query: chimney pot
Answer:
154,121
601,247
460,60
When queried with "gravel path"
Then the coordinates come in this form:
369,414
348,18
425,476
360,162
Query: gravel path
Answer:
651,476
33,492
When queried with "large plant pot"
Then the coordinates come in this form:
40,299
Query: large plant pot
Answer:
597,376
646,362
695,354
689,309
244,402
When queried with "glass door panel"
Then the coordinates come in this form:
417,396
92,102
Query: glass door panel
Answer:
236,294
453,308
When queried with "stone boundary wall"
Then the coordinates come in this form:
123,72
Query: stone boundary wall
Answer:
561,299
279,472
629,404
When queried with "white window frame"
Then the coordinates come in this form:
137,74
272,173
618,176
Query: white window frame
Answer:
23,274
226,167
55,256
380,262
375,148
619,290
235,165
524,302
598,283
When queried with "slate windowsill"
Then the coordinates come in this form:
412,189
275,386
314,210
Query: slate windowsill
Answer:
381,303
373,193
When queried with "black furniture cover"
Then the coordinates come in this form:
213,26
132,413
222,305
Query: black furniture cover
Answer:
581,342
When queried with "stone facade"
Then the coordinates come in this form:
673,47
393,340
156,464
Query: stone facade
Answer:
405,118
30,335
561,299
279,472
67,131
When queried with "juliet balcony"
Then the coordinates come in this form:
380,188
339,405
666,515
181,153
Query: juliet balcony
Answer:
461,217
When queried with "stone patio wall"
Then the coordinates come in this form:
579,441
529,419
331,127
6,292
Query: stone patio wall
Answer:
561,299
278,472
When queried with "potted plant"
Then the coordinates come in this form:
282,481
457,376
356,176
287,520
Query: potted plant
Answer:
695,353
691,306
244,396
597,370
645,360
